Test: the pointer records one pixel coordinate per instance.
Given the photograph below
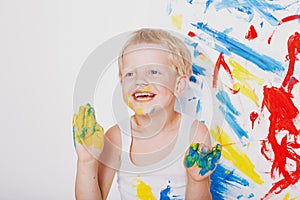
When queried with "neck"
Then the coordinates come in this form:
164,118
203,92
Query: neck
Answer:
151,124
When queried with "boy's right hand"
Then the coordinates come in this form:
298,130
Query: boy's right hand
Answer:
88,134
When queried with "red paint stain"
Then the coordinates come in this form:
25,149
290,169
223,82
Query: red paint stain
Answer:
252,34
191,34
283,111
284,20
253,117
220,62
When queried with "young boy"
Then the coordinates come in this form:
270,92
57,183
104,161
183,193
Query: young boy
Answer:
147,150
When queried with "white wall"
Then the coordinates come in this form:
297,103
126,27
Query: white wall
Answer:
43,45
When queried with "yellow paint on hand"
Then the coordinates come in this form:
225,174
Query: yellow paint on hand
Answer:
246,90
235,155
143,191
86,130
177,21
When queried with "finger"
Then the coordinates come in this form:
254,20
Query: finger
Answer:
79,119
85,116
91,120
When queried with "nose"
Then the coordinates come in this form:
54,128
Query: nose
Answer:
141,79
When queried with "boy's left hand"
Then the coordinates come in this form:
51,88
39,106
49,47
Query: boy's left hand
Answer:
200,160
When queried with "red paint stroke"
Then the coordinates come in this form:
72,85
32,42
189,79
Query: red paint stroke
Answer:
292,83
191,34
283,111
233,91
293,50
220,61
284,20
252,34
253,117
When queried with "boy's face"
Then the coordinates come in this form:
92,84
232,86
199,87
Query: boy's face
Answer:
148,80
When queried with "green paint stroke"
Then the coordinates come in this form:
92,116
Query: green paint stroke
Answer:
205,159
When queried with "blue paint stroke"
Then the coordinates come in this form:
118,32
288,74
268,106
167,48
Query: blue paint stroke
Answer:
198,70
224,98
227,184
207,4
264,62
198,107
231,120
193,79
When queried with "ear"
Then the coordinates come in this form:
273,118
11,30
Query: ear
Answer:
181,85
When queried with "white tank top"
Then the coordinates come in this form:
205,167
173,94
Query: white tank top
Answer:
163,180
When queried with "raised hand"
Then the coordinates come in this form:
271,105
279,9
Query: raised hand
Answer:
87,133
201,158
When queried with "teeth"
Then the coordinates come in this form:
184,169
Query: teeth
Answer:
143,94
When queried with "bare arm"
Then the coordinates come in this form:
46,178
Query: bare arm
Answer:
198,178
93,178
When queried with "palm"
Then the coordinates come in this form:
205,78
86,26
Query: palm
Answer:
88,134
201,160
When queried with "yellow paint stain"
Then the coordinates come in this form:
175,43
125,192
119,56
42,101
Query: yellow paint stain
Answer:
286,197
139,111
235,155
247,91
143,191
177,21
242,74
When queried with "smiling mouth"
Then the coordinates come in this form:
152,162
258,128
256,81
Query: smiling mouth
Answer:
143,96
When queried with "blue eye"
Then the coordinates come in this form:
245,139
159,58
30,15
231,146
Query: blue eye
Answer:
129,74
153,72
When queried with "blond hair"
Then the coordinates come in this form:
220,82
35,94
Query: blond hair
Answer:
180,57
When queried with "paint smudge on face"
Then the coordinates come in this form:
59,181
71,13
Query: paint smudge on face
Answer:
144,191
235,155
204,158
86,130
283,111
253,117
252,34
177,21
228,184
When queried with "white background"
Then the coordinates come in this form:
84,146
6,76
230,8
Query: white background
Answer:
43,45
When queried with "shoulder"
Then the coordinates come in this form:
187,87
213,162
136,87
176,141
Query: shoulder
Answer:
200,133
113,135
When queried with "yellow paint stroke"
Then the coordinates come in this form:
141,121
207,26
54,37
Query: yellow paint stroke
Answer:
235,155
246,90
177,21
243,75
286,197
143,191
86,130
128,102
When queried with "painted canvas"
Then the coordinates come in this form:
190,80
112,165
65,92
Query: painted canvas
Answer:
246,72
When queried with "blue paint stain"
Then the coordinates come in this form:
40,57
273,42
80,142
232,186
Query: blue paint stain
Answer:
261,24
165,194
193,79
227,184
198,70
264,62
223,97
198,108
231,120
